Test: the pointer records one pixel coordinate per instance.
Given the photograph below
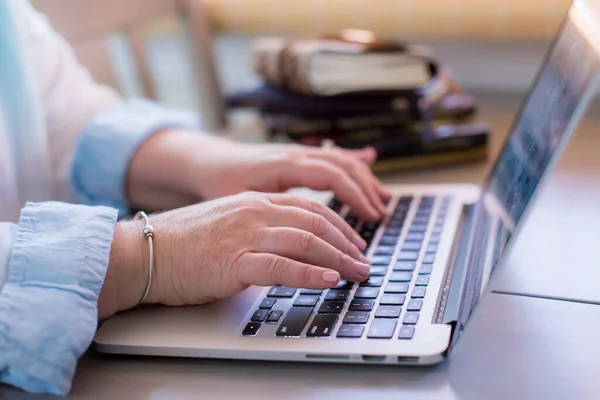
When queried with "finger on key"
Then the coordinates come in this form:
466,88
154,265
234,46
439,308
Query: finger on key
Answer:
264,269
321,209
306,247
299,218
319,174
359,172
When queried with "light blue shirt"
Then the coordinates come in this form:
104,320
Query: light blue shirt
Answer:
53,261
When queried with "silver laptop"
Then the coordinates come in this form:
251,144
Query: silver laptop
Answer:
432,258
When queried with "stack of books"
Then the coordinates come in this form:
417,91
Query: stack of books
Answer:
360,91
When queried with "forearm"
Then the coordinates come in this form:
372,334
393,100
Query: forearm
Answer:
167,167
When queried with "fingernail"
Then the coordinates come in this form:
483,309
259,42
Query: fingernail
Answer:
363,269
331,276
359,242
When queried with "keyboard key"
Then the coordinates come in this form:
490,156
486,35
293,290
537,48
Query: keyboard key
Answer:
392,299
337,294
251,329
422,280
421,220
356,317
350,331
366,293
372,226
322,325
361,305
373,281
385,250
415,237
396,223
306,301
381,260
388,312
410,318
411,246
352,221
388,240
342,284
418,228
406,332
405,200
281,291
432,249
429,259
423,213
403,266
414,305
382,329
427,200
367,235
392,231
311,291
294,321
418,292
426,269
274,316
378,271
403,276
259,315
435,239
437,230
396,287
335,205
331,307
408,256
268,303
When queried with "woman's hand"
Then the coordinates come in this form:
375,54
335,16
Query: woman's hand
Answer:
218,248
196,166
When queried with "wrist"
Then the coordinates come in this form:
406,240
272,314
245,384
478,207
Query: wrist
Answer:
126,276
163,164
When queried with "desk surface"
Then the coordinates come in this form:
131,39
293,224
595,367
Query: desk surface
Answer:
515,347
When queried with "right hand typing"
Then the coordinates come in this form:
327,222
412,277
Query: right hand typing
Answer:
218,248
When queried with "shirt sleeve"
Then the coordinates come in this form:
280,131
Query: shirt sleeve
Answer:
92,130
108,143
48,305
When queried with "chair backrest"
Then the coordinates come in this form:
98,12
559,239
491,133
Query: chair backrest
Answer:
85,24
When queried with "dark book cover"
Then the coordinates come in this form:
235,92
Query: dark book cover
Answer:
439,98
395,143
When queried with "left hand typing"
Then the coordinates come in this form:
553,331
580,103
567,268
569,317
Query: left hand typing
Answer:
205,167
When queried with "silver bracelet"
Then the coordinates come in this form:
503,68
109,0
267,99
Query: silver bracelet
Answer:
149,234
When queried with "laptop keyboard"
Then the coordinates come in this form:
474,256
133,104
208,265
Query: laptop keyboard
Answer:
387,305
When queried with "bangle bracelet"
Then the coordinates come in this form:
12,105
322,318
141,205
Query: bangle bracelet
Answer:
149,234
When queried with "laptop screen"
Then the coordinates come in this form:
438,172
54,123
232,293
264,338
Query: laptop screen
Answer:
557,100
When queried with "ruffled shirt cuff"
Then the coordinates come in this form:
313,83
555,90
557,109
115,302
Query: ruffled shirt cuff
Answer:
109,142
48,305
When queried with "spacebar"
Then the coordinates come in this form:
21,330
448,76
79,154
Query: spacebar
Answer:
294,322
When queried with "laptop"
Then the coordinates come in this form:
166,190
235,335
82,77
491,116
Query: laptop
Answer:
432,258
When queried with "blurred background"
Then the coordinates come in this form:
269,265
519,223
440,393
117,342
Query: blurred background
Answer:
192,53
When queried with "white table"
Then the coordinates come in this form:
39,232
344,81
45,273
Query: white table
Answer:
515,347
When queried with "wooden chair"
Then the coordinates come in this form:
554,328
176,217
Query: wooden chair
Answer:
85,24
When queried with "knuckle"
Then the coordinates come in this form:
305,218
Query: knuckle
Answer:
305,275
307,242
319,225
343,259
276,268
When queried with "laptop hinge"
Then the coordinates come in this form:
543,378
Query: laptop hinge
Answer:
464,275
